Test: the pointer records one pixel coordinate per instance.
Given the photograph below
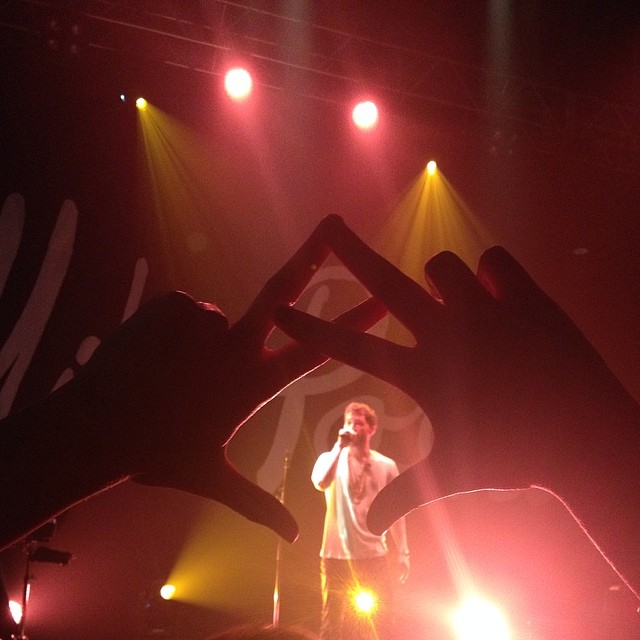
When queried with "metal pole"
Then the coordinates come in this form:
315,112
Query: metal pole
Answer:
276,586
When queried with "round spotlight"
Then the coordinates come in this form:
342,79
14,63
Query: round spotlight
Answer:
167,591
365,115
432,167
141,104
238,84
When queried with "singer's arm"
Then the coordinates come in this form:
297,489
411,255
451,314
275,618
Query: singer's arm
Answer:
324,470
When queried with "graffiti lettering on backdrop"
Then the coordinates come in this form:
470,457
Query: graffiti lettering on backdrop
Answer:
17,352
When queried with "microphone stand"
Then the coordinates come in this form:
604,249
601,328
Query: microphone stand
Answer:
26,588
276,586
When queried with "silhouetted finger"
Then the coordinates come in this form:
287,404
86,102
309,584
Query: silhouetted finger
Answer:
404,297
296,359
456,284
284,287
504,276
213,477
249,500
413,488
360,350
516,290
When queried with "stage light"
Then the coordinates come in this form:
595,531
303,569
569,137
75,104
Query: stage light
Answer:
432,167
15,608
167,591
238,84
364,602
365,115
141,104
477,619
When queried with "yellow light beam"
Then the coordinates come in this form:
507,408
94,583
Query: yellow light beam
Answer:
430,217
177,178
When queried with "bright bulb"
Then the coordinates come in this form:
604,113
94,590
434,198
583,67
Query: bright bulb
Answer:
364,601
167,591
432,167
477,619
365,115
15,609
238,84
141,103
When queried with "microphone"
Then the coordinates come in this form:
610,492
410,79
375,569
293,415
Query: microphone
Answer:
346,436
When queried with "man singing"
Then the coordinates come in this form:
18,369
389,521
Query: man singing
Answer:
352,558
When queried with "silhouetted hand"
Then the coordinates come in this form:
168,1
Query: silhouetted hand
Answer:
182,381
515,393
160,399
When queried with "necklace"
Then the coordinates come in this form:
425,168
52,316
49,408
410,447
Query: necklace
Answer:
358,470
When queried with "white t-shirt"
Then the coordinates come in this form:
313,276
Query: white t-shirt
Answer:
346,535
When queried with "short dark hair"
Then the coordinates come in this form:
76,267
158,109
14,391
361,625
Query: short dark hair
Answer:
369,414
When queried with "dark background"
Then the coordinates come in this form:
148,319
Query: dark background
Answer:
538,133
